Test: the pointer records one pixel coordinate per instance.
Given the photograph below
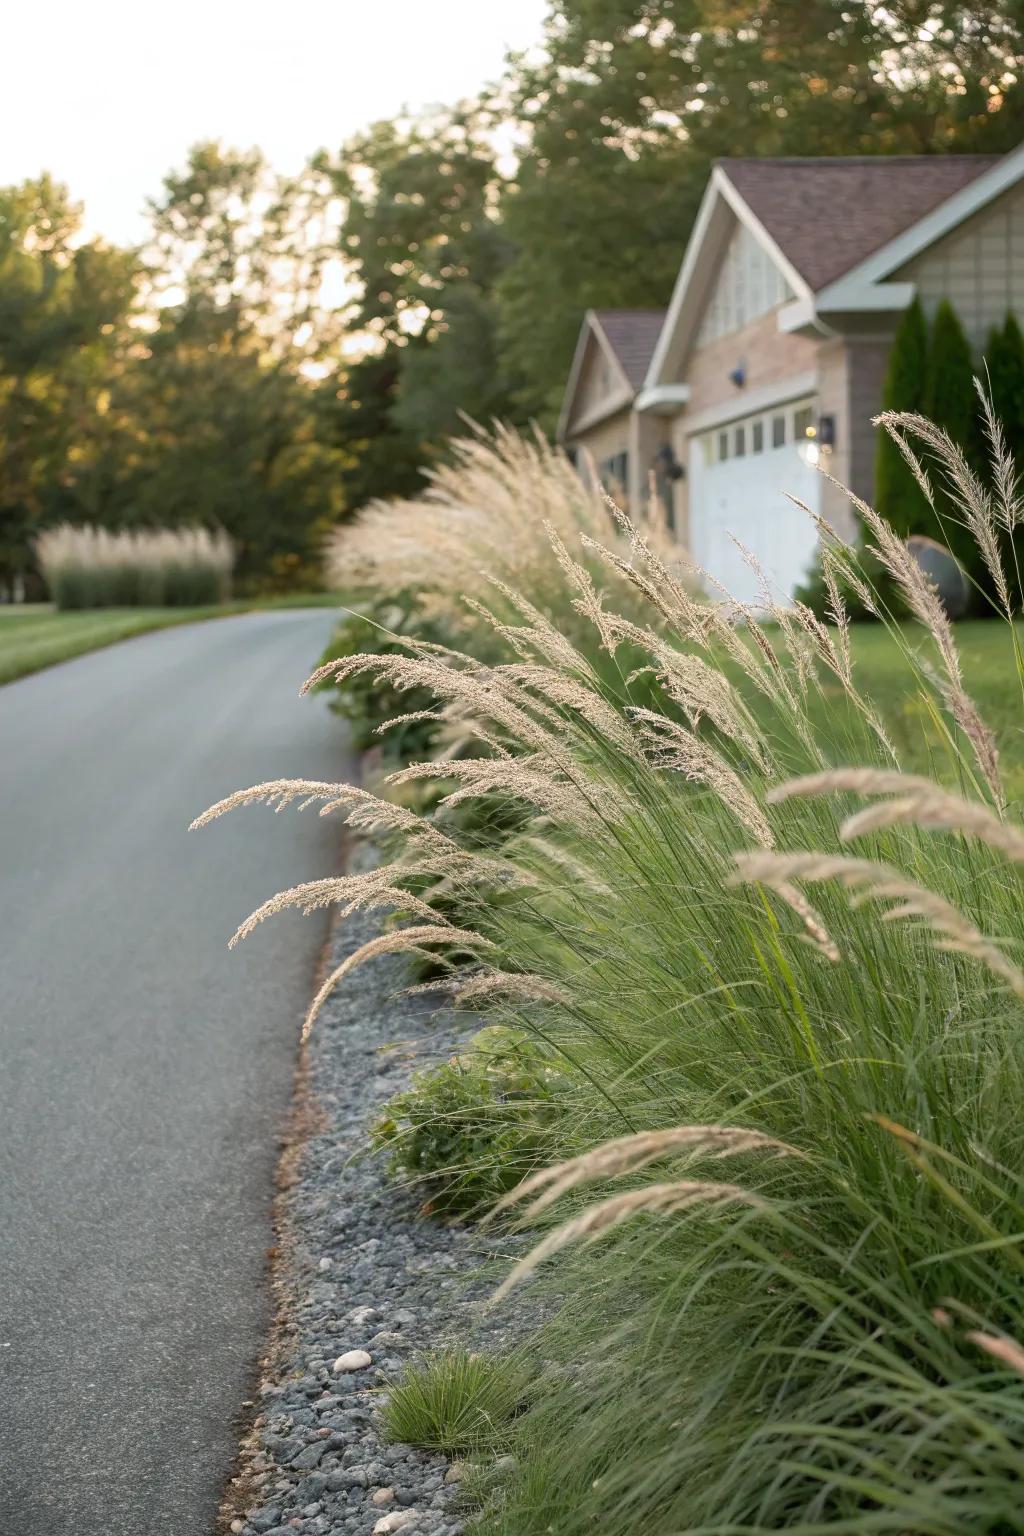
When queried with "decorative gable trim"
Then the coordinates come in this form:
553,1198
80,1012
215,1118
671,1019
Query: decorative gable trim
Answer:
720,209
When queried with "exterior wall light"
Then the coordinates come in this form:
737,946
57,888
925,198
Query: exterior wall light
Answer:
738,376
668,464
818,441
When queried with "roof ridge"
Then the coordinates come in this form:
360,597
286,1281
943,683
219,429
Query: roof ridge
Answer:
880,159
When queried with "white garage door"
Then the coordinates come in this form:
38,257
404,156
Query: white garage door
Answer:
739,476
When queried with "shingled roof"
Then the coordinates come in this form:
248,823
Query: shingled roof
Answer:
827,215
632,335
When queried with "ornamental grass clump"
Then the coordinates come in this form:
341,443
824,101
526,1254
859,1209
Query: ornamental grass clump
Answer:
150,568
777,1211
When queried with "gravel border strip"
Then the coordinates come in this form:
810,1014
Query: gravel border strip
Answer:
358,1273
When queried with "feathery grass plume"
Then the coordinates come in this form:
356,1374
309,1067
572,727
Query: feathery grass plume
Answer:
413,939
568,693
540,633
534,779
366,812
1008,505
917,802
672,746
970,495
1005,1350
486,510
476,689
369,890
87,567
682,607
629,1154
922,598
598,1220
832,646
699,688
516,985
588,601
878,882
814,925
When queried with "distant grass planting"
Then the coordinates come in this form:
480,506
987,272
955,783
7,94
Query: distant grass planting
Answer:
162,568
765,954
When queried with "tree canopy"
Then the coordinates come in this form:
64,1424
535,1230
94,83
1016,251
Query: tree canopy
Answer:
282,349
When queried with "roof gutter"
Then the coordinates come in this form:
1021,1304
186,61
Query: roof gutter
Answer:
866,299
662,399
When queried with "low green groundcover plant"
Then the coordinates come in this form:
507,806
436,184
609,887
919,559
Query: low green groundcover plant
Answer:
467,1131
777,1205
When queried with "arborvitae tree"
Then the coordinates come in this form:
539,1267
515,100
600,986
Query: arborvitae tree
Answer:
897,495
951,402
1004,360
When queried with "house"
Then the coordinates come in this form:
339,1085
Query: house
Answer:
772,354
613,442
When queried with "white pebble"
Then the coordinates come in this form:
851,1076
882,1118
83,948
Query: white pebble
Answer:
395,1522
454,1473
352,1360
324,1266
363,1315
383,1496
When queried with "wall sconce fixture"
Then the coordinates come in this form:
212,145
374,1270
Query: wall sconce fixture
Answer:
668,464
738,376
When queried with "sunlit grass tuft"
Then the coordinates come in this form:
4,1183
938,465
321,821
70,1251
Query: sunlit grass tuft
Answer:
456,1402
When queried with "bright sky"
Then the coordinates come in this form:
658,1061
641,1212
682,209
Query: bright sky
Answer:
108,96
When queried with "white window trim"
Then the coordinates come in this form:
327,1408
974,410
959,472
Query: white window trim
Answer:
707,441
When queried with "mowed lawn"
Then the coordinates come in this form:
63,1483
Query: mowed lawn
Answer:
36,636
990,676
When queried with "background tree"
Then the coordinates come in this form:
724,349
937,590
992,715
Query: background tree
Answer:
216,416
62,303
425,247
951,402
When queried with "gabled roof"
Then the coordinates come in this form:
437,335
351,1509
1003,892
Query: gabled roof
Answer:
837,228
632,335
828,214
627,338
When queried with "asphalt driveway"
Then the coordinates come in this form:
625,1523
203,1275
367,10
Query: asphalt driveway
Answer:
144,1069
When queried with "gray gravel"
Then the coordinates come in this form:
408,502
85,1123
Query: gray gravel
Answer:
361,1270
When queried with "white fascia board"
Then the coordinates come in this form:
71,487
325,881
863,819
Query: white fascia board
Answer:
612,405
590,329
885,298
698,235
848,291
662,399
572,382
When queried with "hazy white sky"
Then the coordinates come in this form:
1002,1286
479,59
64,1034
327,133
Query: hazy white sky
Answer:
109,95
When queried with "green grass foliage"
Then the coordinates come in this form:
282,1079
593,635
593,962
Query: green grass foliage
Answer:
467,1131
768,930
456,1402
